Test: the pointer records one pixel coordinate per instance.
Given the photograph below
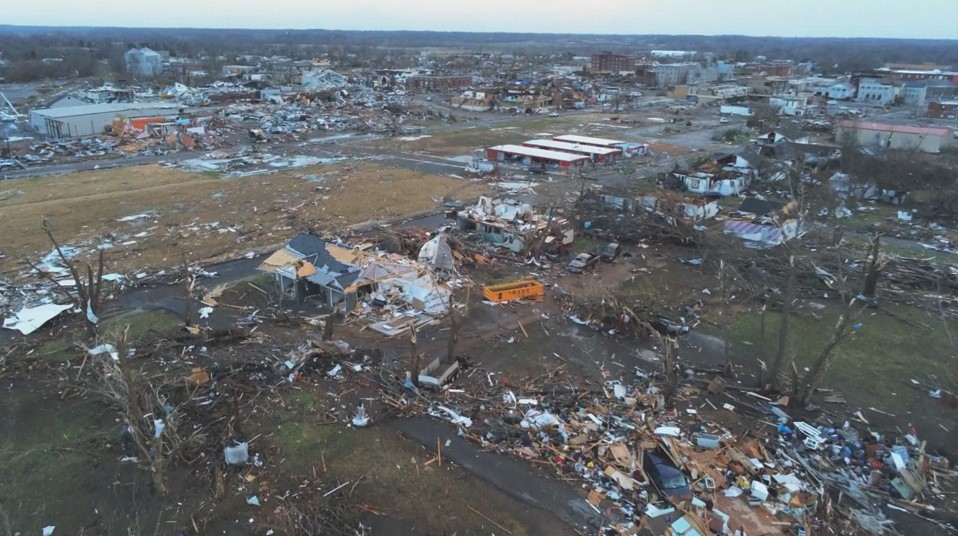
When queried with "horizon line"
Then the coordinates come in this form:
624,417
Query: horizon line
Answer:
88,27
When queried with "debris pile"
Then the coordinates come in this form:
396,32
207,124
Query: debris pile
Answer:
643,463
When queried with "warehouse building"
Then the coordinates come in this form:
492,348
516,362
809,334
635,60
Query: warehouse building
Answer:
599,155
626,148
887,136
589,140
92,119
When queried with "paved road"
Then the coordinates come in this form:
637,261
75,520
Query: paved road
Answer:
515,479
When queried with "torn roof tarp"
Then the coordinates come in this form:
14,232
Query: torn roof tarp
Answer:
29,319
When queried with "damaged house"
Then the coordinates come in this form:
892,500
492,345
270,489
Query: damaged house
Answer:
515,226
685,208
310,267
722,176
762,224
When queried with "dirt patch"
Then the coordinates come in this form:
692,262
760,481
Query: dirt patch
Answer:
201,215
674,150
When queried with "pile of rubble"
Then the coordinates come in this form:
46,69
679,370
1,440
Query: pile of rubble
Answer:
645,464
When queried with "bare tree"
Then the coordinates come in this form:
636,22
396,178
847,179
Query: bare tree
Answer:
851,311
454,326
788,299
844,327
670,367
149,413
415,360
87,297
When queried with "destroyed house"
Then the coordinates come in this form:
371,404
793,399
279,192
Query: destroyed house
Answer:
781,135
685,208
514,225
810,153
765,230
310,267
723,176
667,205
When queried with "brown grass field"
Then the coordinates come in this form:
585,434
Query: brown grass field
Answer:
202,215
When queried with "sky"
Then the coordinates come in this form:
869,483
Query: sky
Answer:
929,19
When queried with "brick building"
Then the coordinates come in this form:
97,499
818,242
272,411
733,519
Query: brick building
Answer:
943,109
437,83
607,62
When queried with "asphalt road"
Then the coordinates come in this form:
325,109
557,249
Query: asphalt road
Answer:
517,480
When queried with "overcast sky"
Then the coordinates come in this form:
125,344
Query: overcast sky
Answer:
932,19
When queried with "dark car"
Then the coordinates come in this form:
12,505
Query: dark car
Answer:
582,262
610,252
667,326
665,476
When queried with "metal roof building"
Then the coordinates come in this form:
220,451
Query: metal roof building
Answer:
588,140
598,154
530,155
92,119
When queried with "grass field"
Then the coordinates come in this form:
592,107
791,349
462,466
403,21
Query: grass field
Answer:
203,216
876,366
391,474
467,139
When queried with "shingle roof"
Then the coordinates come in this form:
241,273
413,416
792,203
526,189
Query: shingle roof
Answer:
306,244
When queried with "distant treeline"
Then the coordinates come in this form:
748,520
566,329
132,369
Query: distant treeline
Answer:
25,47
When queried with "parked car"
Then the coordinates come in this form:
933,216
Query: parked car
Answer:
610,252
723,120
582,262
665,476
667,326
554,114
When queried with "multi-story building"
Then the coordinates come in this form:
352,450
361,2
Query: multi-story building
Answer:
607,62
437,83
841,91
943,110
876,91
671,74
913,93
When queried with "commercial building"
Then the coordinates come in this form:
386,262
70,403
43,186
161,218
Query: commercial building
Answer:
531,156
841,91
599,155
913,93
589,140
92,119
868,134
943,110
875,91
670,74
607,62
916,75
437,83
629,149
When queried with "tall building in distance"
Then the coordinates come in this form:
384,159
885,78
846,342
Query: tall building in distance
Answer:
607,62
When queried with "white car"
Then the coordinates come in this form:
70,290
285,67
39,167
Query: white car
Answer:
723,120
554,114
